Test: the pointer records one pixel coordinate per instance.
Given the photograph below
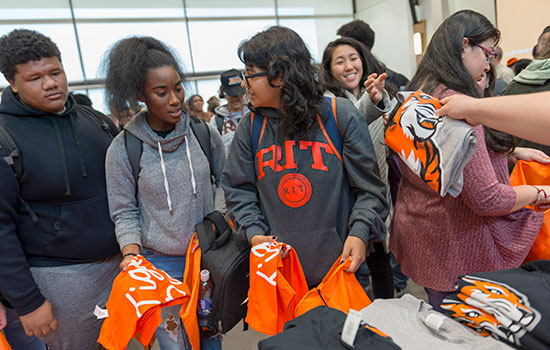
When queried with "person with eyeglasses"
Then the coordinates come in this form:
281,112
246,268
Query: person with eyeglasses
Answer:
486,227
291,183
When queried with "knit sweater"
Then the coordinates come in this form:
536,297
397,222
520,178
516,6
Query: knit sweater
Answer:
438,238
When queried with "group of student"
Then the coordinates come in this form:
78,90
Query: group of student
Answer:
300,168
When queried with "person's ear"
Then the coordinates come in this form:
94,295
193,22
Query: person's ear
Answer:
278,82
465,43
13,86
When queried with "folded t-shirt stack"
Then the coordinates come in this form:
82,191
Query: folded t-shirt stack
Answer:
321,328
414,325
511,305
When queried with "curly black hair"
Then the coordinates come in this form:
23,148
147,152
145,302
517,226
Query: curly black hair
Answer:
126,64
368,61
358,30
282,53
23,45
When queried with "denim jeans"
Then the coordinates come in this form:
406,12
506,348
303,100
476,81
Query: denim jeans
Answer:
171,334
15,334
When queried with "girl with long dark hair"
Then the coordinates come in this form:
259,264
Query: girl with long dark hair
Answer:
485,228
292,183
155,217
348,69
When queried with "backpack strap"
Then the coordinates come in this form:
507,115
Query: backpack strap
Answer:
103,120
330,128
134,148
257,128
202,133
10,152
219,123
208,238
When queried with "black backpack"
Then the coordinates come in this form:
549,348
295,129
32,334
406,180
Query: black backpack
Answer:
226,255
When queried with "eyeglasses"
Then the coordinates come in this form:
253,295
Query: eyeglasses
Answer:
246,77
491,55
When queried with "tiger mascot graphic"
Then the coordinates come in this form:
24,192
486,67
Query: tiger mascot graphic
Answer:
492,308
410,133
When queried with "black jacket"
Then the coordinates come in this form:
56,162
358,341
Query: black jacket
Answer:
66,219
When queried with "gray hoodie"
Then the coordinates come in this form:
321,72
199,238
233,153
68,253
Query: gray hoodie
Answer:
229,123
169,203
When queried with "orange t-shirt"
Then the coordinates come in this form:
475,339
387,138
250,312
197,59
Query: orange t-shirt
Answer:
191,277
338,289
276,287
135,303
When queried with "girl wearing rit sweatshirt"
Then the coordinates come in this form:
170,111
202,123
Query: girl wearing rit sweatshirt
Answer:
292,184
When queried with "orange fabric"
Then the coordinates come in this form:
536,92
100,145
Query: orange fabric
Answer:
420,154
534,173
4,343
276,287
191,278
338,289
135,303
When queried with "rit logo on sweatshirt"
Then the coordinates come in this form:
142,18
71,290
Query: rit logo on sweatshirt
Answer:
294,188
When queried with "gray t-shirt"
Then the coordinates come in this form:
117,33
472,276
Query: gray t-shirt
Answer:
413,325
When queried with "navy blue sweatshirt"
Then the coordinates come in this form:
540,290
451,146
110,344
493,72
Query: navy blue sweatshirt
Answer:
66,219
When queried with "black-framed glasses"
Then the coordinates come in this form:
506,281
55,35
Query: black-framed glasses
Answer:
491,55
246,77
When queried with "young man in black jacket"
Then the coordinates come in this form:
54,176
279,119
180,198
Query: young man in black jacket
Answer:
58,254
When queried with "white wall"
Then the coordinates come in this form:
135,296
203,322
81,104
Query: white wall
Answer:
392,22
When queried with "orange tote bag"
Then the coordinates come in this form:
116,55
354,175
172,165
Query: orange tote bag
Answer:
535,173
338,289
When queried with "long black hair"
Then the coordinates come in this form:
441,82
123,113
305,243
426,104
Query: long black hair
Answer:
369,62
442,64
283,54
126,64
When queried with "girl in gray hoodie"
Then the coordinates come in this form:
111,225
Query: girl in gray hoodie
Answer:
155,217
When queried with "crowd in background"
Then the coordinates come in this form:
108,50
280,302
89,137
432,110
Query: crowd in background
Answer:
79,211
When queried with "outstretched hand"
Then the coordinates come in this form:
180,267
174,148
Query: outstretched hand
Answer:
375,86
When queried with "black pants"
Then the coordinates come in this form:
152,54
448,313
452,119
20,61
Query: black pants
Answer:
379,266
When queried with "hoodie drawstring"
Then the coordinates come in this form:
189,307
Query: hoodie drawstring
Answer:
163,168
79,148
188,153
61,149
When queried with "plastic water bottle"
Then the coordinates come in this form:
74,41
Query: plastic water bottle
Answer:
204,305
